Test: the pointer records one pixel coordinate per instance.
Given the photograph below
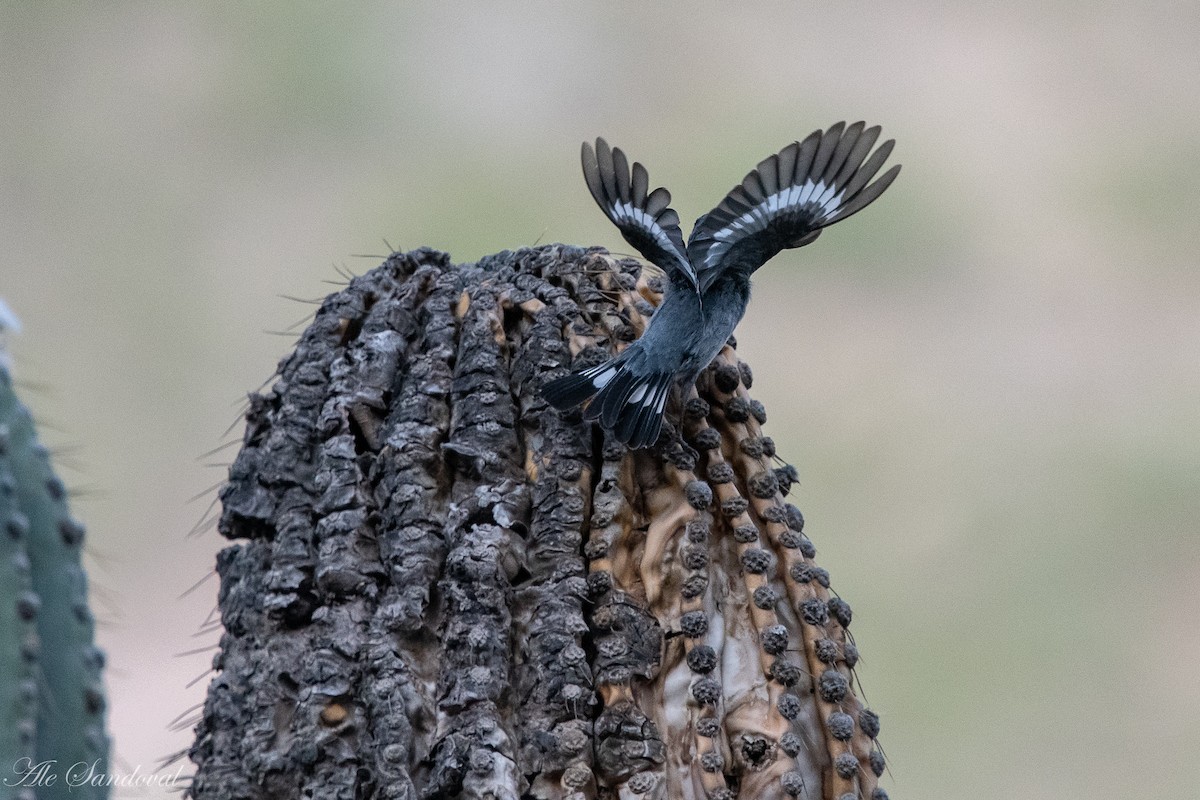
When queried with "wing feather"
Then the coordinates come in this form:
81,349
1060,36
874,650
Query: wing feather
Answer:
605,158
658,200
843,148
866,196
804,159
789,198
854,159
737,203
869,168
825,149
768,171
752,186
621,175
591,171
787,163
645,220
640,186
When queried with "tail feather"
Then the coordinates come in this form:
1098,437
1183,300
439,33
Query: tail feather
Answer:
570,390
641,419
610,402
623,400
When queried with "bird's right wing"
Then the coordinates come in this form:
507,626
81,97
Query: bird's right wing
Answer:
644,219
789,198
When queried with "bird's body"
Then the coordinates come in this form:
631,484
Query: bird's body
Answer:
724,303
785,202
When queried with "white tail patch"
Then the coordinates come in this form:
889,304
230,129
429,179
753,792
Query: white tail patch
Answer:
637,396
650,398
662,399
601,379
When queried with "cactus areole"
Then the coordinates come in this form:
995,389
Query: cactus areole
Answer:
442,587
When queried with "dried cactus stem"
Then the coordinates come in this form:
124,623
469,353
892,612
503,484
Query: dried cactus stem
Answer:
829,653
447,589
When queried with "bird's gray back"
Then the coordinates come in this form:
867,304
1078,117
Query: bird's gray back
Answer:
677,325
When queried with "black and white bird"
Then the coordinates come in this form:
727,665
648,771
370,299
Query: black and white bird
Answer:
786,201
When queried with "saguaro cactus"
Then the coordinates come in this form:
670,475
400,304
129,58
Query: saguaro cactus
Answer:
52,740
443,588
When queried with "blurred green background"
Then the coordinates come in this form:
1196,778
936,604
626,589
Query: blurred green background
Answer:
988,380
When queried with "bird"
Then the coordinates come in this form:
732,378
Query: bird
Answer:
784,202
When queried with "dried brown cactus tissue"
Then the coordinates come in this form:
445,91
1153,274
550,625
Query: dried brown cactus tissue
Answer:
441,587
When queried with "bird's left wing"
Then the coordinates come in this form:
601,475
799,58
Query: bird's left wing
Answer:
789,198
644,218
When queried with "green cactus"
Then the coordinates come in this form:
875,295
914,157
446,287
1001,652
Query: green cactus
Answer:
51,696
18,605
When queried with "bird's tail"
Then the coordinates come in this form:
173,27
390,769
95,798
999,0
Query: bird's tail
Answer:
626,397
571,390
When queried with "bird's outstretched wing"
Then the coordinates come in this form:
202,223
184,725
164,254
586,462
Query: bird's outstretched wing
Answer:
789,198
644,219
